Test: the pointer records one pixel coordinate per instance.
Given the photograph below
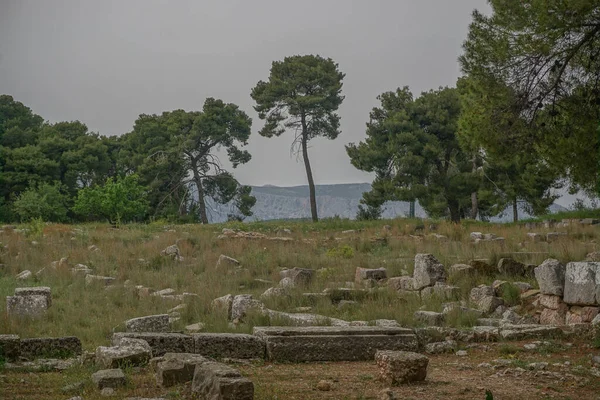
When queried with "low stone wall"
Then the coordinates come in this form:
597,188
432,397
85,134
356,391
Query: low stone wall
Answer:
14,348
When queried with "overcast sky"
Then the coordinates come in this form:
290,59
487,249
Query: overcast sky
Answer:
104,62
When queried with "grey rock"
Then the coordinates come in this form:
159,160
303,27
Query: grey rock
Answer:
33,306
10,347
229,345
430,318
487,304
399,367
130,352
402,283
109,378
274,292
218,381
582,283
223,305
477,293
81,269
150,323
508,266
172,252
176,368
461,269
108,392
428,271
299,276
24,275
242,303
73,387
106,280
226,261
160,343
376,274
447,346
195,328
441,291
36,291
32,348
550,276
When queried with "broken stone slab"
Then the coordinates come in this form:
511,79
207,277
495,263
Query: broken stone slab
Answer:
109,378
580,315
160,343
172,252
428,271
177,368
327,343
556,316
461,269
402,283
582,283
399,367
130,352
49,347
229,345
298,276
106,280
150,323
488,304
10,347
33,306
441,291
218,381
526,332
43,365
36,291
550,276
549,301
430,318
363,274
242,303
223,305
226,261
508,266
274,292
24,275
447,346
81,269
304,319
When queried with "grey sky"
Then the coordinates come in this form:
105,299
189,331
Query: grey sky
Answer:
104,62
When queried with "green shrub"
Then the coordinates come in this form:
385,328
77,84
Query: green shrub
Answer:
45,202
344,251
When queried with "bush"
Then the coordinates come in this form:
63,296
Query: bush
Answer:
45,202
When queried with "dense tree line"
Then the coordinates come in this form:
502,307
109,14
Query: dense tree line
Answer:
522,121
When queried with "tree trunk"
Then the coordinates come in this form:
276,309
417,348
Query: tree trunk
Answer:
515,211
454,211
201,205
474,205
311,182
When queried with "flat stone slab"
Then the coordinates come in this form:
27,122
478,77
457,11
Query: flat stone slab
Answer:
398,367
36,291
176,368
229,345
33,306
327,343
160,343
149,323
524,332
10,347
109,378
130,352
218,381
61,347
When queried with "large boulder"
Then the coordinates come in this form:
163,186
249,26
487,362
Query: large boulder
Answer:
550,276
428,271
298,276
582,283
130,352
150,323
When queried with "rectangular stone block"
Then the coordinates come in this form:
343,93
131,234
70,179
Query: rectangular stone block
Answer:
33,306
35,291
61,347
214,380
582,283
328,343
160,343
229,345
10,347
525,332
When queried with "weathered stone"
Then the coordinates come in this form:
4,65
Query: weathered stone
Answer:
327,343
398,367
274,292
176,368
229,345
172,252
324,386
477,293
402,283
194,328
298,276
593,256
582,283
508,266
376,274
10,347
554,316
525,332
223,305
482,267
35,291
24,275
428,271
107,392
225,261
61,347
476,235
150,323
430,318
220,382
80,269
488,304
554,236
441,291
535,237
33,306
109,378
523,286
302,319
130,352
447,346
588,314
461,269
106,280
552,302
550,276
242,303
160,343
74,387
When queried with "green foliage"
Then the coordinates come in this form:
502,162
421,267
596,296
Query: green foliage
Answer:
46,202
118,200
368,213
302,94
344,251
511,294
35,228
412,147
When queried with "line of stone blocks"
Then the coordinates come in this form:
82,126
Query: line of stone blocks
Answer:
13,348
328,343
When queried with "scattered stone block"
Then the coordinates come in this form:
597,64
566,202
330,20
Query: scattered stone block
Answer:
550,276
33,306
554,236
441,291
225,261
430,318
552,302
60,347
526,332
551,316
428,271
402,283
508,266
160,343
274,292
242,303
35,291
375,274
229,345
172,252
582,281
109,378
10,347
399,367
24,275
217,381
176,368
447,346
488,304
477,293
105,280
328,343
535,237
461,269
130,352
195,328
223,305
150,323
298,276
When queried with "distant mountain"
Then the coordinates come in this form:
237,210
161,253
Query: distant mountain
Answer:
274,202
